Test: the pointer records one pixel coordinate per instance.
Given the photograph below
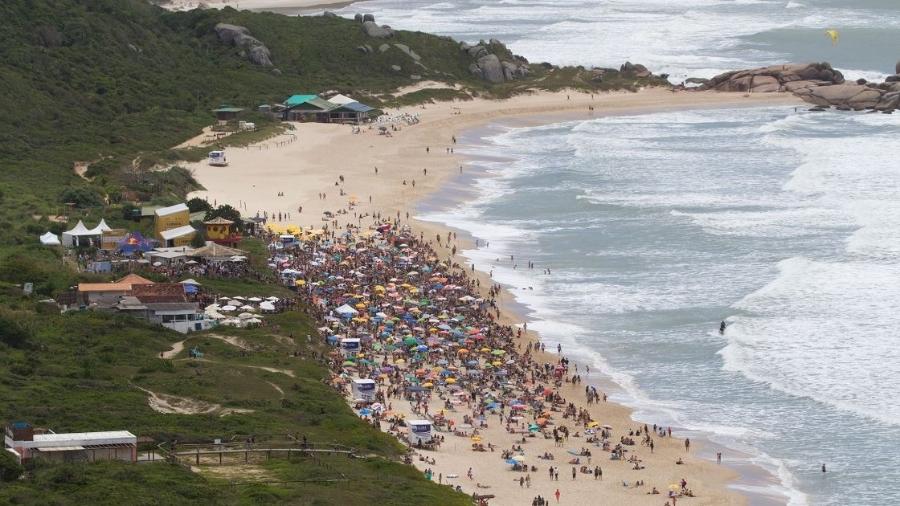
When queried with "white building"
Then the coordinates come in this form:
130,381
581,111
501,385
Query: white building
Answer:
73,447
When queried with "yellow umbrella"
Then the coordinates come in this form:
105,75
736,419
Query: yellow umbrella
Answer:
428,385
300,282
451,381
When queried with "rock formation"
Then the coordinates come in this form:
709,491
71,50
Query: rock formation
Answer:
776,78
371,28
491,67
816,83
239,36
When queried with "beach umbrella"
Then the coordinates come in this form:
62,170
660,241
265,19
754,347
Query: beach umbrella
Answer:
428,384
365,412
229,307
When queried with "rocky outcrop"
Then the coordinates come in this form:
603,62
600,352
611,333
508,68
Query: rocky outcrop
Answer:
379,32
409,52
816,83
329,14
851,96
637,70
776,78
239,36
371,28
490,66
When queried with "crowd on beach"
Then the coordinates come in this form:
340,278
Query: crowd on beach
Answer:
433,341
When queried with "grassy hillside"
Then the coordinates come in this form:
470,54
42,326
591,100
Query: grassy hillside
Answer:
109,81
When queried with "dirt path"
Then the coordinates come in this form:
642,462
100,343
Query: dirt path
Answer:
237,343
174,404
80,169
286,372
276,387
176,349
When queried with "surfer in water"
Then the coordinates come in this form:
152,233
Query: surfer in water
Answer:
722,327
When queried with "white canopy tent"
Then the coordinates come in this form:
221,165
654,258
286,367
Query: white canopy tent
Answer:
50,239
346,311
78,234
342,100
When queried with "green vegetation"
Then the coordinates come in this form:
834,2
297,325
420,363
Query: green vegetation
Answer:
97,94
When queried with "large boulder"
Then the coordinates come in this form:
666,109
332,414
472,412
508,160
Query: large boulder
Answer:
852,96
239,36
409,52
635,69
368,17
776,78
373,30
477,51
490,68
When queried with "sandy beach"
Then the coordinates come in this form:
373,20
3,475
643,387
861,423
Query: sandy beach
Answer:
302,175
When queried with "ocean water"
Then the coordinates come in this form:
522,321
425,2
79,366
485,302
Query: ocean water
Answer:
683,38
657,227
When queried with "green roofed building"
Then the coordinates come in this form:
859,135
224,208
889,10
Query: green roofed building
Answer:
339,109
226,112
307,108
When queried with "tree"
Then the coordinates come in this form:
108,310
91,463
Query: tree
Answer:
197,204
227,212
10,469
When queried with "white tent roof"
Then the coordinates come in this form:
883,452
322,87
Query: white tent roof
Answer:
172,233
103,227
79,230
190,281
165,211
50,239
341,99
346,310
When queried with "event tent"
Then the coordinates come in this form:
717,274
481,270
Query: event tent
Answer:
50,239
79,233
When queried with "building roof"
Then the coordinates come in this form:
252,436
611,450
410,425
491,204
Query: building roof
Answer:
149,210
160,292
177,208
313,100
134,279
213,250
173,233
103,287
227,108
354,107
84,436
168,307
218,220
341,99
298,99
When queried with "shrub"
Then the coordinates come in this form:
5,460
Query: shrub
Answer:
10,469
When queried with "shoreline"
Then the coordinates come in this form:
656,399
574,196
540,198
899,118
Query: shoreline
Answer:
761,485
309,168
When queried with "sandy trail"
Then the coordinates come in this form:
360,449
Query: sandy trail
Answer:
286,372
176,349
175,404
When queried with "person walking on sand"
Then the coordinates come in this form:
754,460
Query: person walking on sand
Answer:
687,444
469,474
574,473
557,495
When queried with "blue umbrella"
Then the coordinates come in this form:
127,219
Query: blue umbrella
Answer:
365,412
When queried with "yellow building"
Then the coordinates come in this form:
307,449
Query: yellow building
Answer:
219,231
172,226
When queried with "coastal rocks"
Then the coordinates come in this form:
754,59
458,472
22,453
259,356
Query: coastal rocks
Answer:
490,69
396,68
239,36
637,70
365,49
409,52
329,14
850,96
379,32
494,63
776,78
384,47
371,28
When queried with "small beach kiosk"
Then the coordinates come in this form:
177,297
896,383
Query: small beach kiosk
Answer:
350,346
419,432
363,389
217,159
